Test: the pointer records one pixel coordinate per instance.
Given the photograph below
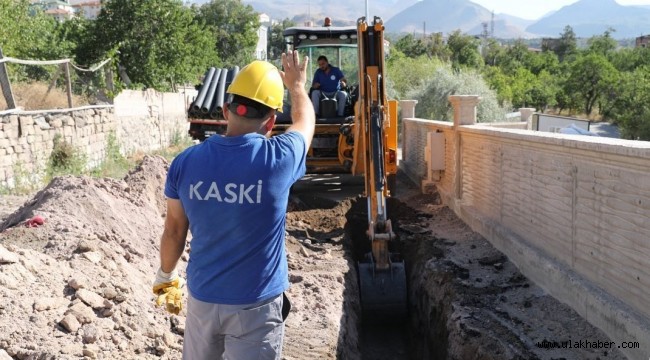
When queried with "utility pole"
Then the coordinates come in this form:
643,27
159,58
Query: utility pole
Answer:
492,25
367,13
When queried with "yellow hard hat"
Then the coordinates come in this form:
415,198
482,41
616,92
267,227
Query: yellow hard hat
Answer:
259,81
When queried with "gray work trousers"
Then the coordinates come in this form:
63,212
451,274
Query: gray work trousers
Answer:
341,97
233,332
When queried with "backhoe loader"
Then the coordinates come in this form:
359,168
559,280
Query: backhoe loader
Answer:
363,143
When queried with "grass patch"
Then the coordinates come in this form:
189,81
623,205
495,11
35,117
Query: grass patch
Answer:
39,96
65,159
179,142
115,165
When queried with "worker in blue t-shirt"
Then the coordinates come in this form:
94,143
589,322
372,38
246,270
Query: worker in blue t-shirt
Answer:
328,81
232,192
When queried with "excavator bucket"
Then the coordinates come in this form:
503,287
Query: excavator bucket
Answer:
383,293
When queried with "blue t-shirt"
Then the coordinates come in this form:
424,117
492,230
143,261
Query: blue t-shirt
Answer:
234,191
329,83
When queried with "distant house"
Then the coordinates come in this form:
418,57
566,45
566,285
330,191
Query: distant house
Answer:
88,9
58,9
63,10
642,41
261,50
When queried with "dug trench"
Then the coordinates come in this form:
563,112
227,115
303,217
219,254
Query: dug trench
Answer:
79,285
466,299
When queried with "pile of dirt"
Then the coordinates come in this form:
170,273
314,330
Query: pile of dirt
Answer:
79,285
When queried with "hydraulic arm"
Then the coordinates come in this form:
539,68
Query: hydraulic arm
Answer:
382,274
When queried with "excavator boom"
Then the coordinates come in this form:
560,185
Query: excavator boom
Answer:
382,275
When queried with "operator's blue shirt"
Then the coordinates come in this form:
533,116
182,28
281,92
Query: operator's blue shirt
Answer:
329,83
234,191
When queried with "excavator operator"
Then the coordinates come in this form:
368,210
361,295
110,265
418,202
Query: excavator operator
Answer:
231,192
327,82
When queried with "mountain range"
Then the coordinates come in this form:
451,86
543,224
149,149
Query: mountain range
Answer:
586,17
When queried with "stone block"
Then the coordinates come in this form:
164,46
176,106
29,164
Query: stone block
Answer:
26,125
68,120
6,161
81,122
56,122
68,131
41,123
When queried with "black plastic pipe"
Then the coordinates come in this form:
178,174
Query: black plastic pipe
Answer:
203,91
210,96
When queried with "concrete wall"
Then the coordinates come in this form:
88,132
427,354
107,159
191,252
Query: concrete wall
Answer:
570,211
140,120
149,120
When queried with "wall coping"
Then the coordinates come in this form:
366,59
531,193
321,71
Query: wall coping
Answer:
54,111
430,122
634,148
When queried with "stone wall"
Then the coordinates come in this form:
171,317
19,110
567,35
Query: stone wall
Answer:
570,211
138,121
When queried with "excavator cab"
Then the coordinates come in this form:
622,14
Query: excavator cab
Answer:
332,147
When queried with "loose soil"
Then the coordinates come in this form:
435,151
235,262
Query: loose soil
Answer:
79,286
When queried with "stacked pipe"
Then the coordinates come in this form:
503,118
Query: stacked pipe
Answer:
208,103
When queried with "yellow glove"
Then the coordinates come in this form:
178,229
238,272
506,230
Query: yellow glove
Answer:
168,288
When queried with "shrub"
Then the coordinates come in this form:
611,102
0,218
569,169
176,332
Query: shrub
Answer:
65,159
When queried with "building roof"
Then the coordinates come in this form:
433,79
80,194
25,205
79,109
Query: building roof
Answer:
88,4
58,12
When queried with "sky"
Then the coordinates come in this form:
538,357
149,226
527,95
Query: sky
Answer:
534,9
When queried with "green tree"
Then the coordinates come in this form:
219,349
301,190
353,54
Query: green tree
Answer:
543,91
433,94
499,82
631,107
514,57
158,42
544,61
436,47
234,29
277,43
522,81
567,45
464,50
590,77
603,44
493,52
410,46
25,31
405,73
629,59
